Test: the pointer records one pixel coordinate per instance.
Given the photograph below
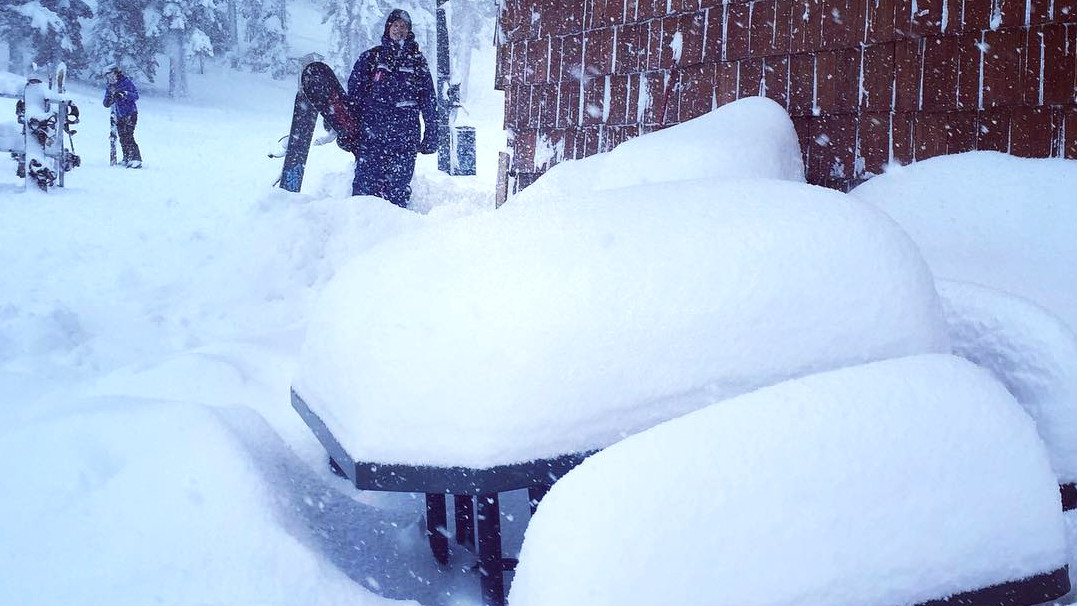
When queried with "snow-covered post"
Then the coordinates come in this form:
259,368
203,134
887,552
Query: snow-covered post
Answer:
57,105
443,86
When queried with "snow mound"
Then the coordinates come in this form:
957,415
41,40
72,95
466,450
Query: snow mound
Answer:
1030,351
991,219
749,138
12,84
131,501
564,326
888,483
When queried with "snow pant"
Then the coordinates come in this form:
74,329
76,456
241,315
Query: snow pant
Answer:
384,172
125,128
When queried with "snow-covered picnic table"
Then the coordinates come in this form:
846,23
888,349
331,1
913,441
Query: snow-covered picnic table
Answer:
499,351
533,336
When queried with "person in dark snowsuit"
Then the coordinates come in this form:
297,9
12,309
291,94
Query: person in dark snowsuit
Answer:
390,85
122,92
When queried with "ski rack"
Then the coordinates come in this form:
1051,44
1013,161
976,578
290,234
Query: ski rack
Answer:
57,104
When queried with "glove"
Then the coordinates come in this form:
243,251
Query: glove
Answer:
429,144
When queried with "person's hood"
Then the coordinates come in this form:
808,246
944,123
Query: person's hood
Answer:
398,13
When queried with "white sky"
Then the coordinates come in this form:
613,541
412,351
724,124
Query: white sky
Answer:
152,321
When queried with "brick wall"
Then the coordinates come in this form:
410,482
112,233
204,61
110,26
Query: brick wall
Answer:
865,81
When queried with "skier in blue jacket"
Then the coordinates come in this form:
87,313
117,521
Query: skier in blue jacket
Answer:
390,85
121,92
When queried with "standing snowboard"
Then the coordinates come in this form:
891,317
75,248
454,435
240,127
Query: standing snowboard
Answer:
304,117
112,135
320,93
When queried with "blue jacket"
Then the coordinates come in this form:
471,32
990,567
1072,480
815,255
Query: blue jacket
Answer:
389,86
124,94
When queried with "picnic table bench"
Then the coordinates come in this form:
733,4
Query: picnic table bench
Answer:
475,492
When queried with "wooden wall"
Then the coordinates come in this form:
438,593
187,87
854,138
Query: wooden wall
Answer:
865,81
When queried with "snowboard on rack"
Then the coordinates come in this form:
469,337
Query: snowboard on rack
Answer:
319,93
112,136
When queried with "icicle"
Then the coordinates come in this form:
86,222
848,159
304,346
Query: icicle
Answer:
945,15
815,111
859,163
1028,13
996,14
890,138
1042,60
861,94
613,55
893,93
677,46
606,101
581,105
920,93
867,21
706,28
549,58
984,47
644,100
1060,145
725,31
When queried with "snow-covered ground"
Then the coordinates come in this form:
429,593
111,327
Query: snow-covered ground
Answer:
152,322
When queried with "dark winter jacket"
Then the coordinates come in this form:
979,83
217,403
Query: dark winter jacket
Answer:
124,94
389,86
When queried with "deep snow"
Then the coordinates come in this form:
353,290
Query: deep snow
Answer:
151,324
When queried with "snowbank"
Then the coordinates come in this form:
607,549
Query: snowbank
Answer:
126,501
889,483
749,138
12,84
1030,351
991,219
564,326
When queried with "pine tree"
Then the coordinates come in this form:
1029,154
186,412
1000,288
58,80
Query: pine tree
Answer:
356,25
44,32
468,23
184,28
265,46
119,36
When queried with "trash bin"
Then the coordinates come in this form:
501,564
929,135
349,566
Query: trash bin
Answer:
462,151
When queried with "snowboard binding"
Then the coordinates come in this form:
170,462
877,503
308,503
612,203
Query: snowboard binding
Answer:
43,130
43,176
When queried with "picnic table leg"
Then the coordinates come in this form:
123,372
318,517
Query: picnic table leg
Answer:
464,505
491,566
436,521
535,494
